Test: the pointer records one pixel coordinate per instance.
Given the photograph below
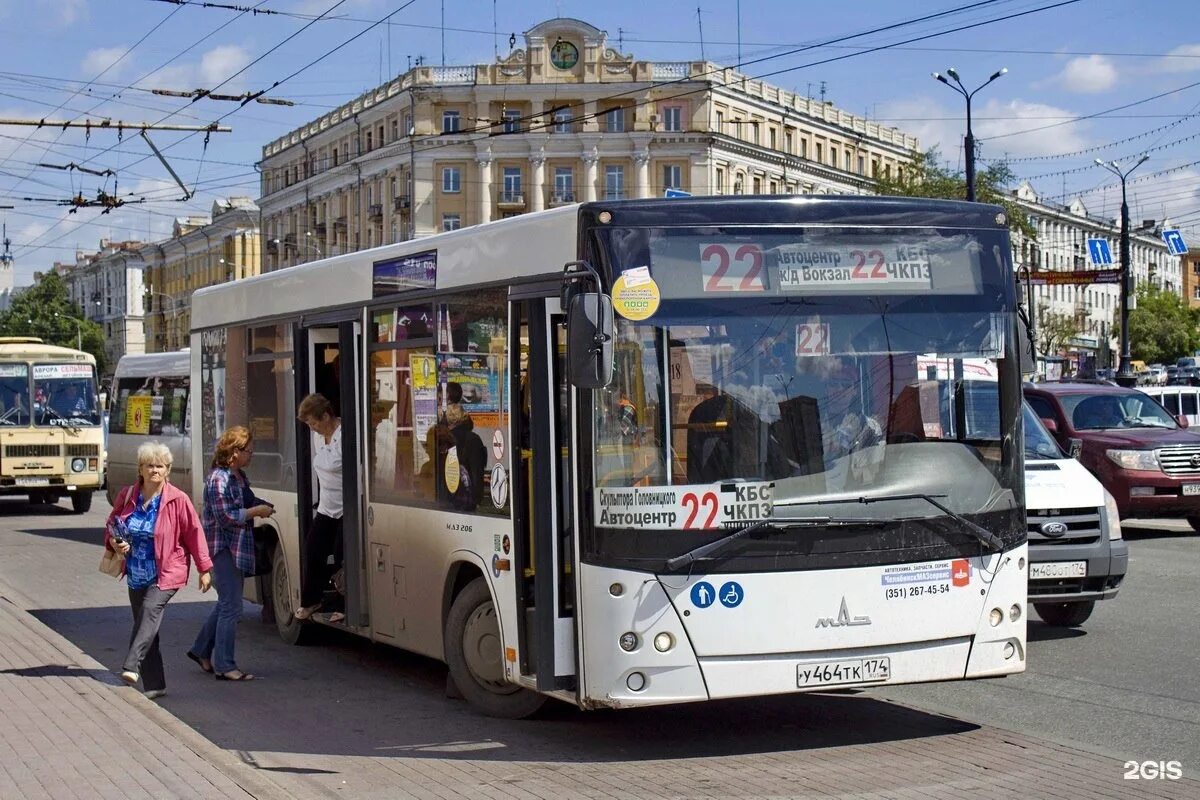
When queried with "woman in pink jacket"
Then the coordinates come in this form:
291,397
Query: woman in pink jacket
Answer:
156,528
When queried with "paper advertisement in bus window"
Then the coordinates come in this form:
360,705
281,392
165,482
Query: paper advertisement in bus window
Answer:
415,271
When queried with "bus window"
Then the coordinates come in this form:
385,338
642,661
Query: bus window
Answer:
165,406
15,403
1171,402
1188,404
65,394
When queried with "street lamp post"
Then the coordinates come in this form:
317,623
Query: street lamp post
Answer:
1125,376
969,141
78,330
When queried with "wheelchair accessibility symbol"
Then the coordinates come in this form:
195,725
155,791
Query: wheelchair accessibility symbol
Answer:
731,594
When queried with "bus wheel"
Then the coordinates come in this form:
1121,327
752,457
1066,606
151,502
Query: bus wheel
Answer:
81,502
1064,615
291,630
475,655
1195,523
36,498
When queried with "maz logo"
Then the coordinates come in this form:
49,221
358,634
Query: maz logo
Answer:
843,619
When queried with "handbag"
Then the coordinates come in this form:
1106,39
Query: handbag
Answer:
112,563
263,552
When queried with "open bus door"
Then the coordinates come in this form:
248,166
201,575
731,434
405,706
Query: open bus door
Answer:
543,510
330,362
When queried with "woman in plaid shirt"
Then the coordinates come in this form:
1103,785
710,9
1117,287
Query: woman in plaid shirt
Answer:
230,509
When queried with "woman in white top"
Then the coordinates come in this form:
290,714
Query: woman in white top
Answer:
325,534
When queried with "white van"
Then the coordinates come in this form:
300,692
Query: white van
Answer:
1178,400
149,403
1076,553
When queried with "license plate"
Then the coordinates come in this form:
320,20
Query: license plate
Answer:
834,673
1058,569
27,481
1191,488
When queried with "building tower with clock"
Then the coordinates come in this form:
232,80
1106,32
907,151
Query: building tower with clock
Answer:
564,117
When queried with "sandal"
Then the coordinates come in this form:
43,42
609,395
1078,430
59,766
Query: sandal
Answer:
235,675
336,616
200,661
306,612
130,677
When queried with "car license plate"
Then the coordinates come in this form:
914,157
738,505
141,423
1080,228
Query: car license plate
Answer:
28,481
1058,569
1191,488
834,673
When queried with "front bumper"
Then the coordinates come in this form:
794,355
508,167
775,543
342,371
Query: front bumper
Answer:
1107,562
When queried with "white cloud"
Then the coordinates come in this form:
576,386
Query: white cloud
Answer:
213,68
101,59
1007,118
1088,75
63,13
221,62
1185,58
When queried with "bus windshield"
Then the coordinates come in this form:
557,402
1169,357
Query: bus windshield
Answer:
804,387
14,394
65,394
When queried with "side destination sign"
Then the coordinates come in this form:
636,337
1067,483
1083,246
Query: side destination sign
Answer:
695,507
861,269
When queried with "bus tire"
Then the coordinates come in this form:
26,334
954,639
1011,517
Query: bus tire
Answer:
1065,615
475,655
1195,523
291,630
81,502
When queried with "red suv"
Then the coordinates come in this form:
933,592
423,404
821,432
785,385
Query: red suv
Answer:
1145,457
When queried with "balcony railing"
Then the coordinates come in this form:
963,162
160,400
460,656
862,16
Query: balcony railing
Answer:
340,223
400,203
511,198
375,210
562,198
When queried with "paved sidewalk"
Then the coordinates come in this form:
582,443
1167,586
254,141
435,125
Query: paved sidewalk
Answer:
71,729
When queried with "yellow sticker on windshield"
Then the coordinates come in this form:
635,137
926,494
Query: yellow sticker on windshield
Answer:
638,301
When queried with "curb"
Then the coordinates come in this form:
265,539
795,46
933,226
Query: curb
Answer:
248,777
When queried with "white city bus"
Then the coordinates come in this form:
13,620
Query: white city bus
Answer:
701,460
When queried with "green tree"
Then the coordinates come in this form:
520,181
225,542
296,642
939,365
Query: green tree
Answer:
1054,331
1162,327
924,178
45,310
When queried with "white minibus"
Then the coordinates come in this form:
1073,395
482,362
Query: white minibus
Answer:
1179,400
149,402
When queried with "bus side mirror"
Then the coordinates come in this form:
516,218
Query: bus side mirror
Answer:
1026,349
589,340
1182,420
1051,425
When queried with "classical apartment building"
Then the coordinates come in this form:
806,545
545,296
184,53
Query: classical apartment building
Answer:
108,287
202,251
1191,276
1061,245
564,119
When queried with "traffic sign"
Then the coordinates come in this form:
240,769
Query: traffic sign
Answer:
1100,252
1175,243
676,193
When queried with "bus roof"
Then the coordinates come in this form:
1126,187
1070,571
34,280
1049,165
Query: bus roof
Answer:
542,242
528,245
146,365
18,348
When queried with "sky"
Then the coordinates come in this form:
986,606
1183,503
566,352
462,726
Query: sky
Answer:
1087,79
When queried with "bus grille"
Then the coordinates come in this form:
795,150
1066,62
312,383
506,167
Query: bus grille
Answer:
32,451
83,450
1083,525
1180,460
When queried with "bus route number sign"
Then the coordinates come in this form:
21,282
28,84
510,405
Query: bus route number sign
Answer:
860,269
732,267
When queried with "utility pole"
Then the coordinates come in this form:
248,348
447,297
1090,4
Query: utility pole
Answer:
969,141
1125,376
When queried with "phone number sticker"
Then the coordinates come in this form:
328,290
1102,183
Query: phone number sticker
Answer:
863,269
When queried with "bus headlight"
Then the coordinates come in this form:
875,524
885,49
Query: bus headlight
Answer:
1114,516
78,465
664,642
996,617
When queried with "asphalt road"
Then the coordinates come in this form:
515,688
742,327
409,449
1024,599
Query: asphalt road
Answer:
1124,686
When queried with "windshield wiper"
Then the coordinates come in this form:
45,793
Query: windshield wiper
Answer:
777,526
72,424
978,531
